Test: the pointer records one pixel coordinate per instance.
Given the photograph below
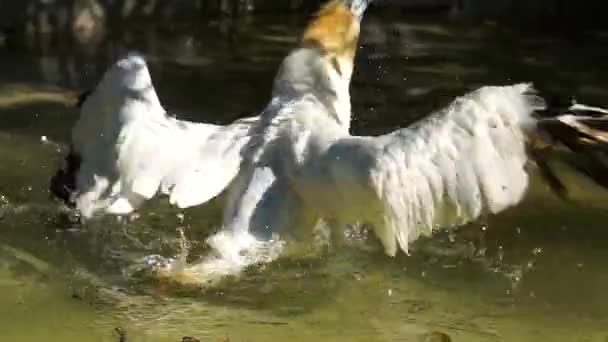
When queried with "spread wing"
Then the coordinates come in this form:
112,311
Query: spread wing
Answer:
127,148
463,161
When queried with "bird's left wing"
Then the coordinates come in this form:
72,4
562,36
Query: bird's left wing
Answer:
448,169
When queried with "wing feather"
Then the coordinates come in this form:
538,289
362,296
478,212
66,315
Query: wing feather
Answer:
448,169
130,148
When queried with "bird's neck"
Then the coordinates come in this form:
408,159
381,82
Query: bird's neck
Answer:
323,64
310,72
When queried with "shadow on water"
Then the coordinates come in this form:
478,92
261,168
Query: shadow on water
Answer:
532,273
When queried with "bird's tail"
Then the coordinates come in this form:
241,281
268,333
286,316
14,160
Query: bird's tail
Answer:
577,134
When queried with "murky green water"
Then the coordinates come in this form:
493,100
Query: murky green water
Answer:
534,273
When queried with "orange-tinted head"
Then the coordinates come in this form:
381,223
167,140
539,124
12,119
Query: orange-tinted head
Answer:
334,30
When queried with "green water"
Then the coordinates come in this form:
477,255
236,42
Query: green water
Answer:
534,273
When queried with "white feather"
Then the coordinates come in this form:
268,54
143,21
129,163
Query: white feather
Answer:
131,148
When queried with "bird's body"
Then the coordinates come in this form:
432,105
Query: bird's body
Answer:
315,79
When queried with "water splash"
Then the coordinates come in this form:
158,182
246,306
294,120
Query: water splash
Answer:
230,254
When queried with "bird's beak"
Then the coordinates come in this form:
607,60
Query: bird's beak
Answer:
358,7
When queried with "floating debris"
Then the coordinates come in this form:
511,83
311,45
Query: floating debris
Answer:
190,339
436,336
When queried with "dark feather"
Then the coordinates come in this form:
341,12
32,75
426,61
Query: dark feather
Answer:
63,183
83,97
579,134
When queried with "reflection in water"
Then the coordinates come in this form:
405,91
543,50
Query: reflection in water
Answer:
534,273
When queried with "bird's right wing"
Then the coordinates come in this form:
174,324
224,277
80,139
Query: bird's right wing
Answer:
125,148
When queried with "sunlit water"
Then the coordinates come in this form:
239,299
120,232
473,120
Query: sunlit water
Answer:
534,273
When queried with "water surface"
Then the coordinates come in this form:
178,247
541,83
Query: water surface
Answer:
533,273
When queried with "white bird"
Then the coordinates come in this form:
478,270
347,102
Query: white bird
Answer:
297,163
